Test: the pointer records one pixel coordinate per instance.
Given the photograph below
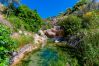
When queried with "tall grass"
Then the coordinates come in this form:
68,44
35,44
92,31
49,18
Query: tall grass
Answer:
22,40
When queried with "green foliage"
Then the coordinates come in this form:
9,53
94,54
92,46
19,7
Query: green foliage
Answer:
71,24
30,17
91,49
10,10
26,19
7,45
76,6
8,2
90,20
87,51
68,11
86,54
50,56
16,22
22,40
10,6
83,1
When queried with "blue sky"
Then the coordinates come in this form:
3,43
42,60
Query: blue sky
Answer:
47,8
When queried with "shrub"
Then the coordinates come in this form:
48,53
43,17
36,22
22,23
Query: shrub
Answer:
25,18
71,24
87,54
7,45
91,49
30,17
90,20
88,50
16,22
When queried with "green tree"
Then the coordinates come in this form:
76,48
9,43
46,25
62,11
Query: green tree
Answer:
10,5
8,2
30,18
71,24
7,45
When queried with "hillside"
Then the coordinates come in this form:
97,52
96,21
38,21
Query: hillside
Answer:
68,39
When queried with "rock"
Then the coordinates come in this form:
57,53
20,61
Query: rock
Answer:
15,35
40,38
57,31
25,34
56,41
41,32
14,54
49,33
20,32
21,53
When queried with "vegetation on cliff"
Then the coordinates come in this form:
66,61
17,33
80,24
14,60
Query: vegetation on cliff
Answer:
81,33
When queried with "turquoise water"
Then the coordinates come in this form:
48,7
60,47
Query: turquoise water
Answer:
49,56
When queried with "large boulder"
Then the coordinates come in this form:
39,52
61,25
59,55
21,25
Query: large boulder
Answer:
54,32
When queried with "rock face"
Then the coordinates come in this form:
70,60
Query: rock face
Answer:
74,40
55,32
40,39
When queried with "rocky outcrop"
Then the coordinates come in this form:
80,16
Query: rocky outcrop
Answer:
39,41
57,31
40,38
18,56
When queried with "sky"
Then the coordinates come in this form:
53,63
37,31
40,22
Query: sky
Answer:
48,8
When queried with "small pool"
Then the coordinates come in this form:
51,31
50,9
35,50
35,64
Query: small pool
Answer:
48,56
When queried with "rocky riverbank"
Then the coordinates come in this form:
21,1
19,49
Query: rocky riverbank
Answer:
18,56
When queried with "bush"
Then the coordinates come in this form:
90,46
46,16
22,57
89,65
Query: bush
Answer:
30,17
71,24
7,45
91,49
16,22
88,51
90,20
25,19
